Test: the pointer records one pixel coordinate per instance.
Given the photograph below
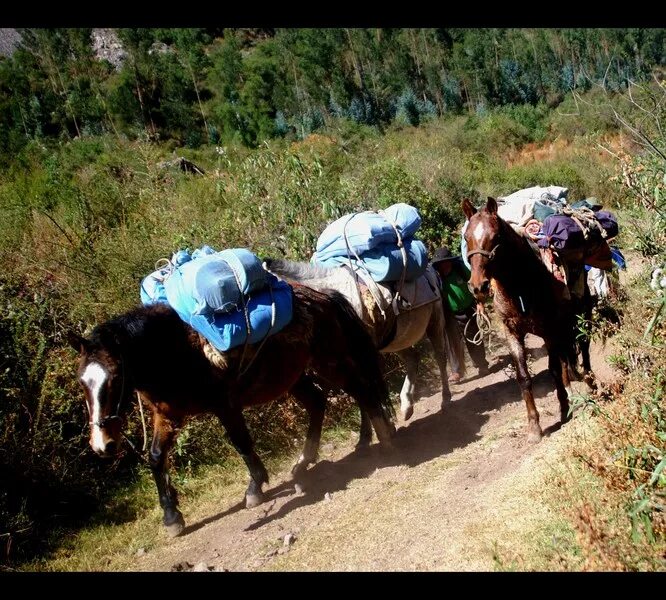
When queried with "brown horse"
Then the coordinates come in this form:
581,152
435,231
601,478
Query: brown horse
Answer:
179,374
527,298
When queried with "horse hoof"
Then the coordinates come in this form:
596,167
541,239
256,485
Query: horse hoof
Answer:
534,436
252,500
407,413
176,528
589,380
298,488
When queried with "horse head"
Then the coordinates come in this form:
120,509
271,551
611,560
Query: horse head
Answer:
102,375
482,236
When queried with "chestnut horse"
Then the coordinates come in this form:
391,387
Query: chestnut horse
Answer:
528,299
150,350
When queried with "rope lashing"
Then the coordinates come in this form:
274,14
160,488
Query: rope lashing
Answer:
403,275
361,265
268,333
585,219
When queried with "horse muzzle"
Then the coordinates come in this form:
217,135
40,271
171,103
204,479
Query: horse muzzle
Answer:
480,290
109,450
102,443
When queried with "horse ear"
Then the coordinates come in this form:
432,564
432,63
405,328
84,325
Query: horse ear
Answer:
491,206
468,208
79,343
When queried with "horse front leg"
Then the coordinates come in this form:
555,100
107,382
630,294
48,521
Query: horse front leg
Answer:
517,350
164,434
234,423
557,366
313,399
435,332
410,358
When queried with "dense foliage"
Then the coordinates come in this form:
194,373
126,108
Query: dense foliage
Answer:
208,85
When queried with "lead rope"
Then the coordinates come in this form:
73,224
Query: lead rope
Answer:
140,454
483,326
143,421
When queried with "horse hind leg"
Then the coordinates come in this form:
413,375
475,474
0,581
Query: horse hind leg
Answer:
365,434
374,408
435,333
410,358
584,343
313,399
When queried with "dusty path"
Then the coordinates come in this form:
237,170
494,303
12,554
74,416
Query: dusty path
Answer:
454,491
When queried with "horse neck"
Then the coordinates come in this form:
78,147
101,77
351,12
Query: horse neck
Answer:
518,270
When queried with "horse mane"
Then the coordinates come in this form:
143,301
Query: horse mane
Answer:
296,271
129,325
519,241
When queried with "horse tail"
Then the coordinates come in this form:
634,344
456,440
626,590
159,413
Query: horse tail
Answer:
363,352
296,271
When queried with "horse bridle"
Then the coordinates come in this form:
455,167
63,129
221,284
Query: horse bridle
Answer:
489,255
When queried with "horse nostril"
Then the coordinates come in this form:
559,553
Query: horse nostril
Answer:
485,287
110,447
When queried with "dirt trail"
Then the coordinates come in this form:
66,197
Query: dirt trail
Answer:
455,489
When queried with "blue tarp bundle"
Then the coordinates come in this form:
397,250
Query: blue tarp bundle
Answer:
384,263
207,291
366,231
372,237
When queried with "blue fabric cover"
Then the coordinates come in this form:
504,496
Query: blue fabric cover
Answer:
384,263
203,290
366,231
